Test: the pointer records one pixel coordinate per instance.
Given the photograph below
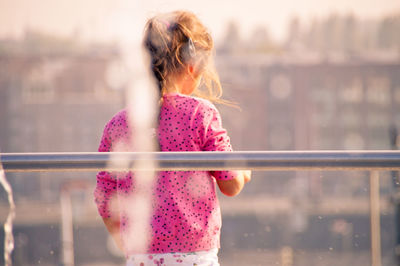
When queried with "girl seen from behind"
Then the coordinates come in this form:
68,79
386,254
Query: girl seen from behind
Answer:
186,220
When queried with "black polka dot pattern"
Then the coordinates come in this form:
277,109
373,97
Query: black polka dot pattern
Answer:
186,215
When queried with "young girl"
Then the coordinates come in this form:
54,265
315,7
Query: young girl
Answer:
186,219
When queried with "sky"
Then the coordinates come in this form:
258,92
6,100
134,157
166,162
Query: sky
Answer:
123,20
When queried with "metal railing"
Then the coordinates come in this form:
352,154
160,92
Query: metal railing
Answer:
262,160
373,161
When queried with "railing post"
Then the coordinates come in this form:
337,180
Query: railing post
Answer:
67,237
375,219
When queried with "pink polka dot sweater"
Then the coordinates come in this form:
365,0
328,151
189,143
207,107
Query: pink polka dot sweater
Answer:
186,214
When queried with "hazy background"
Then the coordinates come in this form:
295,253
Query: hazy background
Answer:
106,19
308,75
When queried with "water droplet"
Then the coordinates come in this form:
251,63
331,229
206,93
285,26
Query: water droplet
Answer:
8,224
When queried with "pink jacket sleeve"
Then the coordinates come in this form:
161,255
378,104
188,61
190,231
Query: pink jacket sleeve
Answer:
215,138
106,186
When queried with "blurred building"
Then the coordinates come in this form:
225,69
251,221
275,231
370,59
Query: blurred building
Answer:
54,100
288,104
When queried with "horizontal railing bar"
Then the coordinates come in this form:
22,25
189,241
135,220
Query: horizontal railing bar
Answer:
179,161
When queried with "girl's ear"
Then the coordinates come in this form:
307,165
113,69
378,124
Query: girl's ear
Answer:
191,69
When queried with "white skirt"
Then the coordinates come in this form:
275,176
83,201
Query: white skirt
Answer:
198,258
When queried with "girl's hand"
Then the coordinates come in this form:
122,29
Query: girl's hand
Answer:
233,187
113,227
247,176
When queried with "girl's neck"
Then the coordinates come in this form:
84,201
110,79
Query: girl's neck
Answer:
169,93
180,88
184,84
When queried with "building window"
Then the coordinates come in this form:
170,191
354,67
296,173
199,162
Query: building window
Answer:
280,87
37,87
37,92
353,92
378,91
323,95
396,95
350,118
378,120
353,141
280,138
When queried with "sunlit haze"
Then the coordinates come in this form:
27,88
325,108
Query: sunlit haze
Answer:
113,20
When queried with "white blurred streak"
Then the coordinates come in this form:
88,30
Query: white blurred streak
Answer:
117,75
8,225
142,107
142,110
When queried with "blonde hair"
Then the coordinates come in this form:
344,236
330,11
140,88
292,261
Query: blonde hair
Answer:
176,39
